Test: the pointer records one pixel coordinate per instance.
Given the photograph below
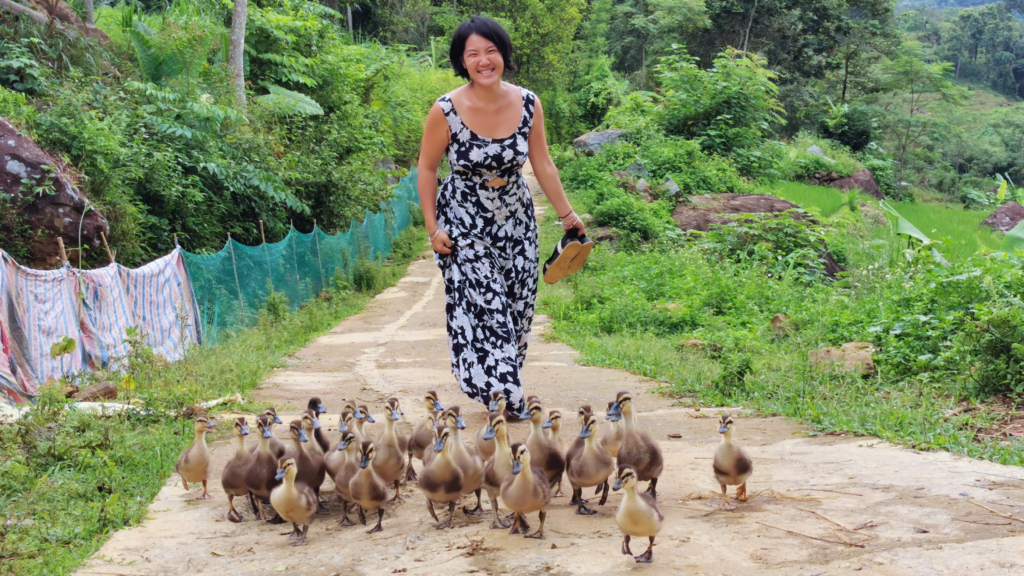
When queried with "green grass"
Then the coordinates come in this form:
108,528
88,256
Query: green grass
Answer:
68,479
959,231
820,200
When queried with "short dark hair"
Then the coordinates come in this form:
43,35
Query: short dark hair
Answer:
487,28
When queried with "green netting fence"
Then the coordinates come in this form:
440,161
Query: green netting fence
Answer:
232,285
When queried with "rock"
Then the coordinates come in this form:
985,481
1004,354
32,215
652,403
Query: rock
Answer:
817,151
862,179
53,215
670,186
854,357
703,211
1006,217
387,165
637,168
780,325
625,181
642,185
101,391
603,234
592,142
823,178
691,343
69,391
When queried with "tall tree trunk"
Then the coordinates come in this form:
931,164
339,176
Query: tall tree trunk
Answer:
746,38
236,53
89,19
348,16
846,74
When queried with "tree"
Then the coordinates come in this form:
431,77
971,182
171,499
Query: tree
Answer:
236,53
643,29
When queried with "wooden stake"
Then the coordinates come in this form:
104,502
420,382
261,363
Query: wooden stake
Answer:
266,255
63,254
238,285
323,281
262,237
106,246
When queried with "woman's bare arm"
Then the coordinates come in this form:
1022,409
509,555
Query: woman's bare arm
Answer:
435,140
547,173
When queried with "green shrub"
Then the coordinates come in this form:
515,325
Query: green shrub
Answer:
853,126
999,339
693,170
799,164
629,214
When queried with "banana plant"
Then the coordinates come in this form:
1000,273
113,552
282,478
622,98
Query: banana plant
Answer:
904,227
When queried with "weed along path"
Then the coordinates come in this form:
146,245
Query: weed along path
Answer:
820,504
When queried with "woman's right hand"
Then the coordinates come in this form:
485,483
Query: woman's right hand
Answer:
441,243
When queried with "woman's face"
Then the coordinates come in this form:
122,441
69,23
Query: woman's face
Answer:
483,61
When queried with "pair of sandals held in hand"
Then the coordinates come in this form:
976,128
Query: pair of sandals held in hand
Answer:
569,256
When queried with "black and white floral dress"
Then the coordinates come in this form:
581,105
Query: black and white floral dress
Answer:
490,279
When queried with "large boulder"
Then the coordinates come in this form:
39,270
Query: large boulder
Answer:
592,142
817,151
703,211
862,179
59,211
1005,218
853,357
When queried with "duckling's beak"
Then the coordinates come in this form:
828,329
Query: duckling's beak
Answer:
493,406
615,410
491,433
316,424
437,405
358,414
280,474
343,427
302,436
394,415
517,466
548,423
320,409
244,430
364,462
585,433
615,417
459,423
343,445
266,433
439,445
618,484
723,429
277,419
368,417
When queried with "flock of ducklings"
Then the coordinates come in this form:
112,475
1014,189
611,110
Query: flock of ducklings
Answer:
288,475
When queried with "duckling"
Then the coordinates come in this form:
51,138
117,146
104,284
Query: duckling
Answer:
612,438
553,426
310,470
485,447
194,463
423,435
465,458
349,464
362,416
318,408
544,452
441,480
334,459
499,466
232,479
732,466
588,465
260,476
638,450
389,463
276,446
310,425
368,490
293,500
527,490
638,514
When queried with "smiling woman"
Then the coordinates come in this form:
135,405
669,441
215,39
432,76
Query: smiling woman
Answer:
481,220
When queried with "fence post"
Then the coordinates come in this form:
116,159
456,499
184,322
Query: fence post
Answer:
270,272
295,251
323,281
63,254
109,253
238,286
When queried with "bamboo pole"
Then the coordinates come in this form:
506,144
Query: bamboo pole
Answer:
107,246
323,281
270,271
295,252
63,254
238,285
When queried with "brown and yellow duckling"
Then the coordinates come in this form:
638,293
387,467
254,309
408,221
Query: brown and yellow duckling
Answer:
441,479
335,458
318,435
732,466
260,476
422,439
347,467
498,466
194,463
612,437
638,515
389,462
638,450
544,453
587,464
527,490
293,500
553,425
232,479
310,425
363,417
484,446
367,489
465,458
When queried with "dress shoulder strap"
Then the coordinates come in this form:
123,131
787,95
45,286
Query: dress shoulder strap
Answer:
450,114
529,103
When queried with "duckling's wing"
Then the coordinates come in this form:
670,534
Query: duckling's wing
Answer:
652,504
185,457
744,466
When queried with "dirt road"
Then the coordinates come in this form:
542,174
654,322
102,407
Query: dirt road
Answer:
923,511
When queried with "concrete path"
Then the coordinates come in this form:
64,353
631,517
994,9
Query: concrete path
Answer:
920,513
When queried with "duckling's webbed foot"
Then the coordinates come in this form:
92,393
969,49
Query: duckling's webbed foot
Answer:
582,510
362,516
234,516
652,488
276,519
646,557
252,504
430,508
625,546
345,521
479,508
410,472
206,495
577,495
380,518
498,523
741,492
451,514
398,496
558,491
518,522
300,540
539,534
296,532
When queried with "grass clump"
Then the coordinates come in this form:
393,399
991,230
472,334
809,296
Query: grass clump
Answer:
69,479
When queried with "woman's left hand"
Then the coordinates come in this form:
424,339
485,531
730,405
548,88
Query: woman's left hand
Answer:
573,221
